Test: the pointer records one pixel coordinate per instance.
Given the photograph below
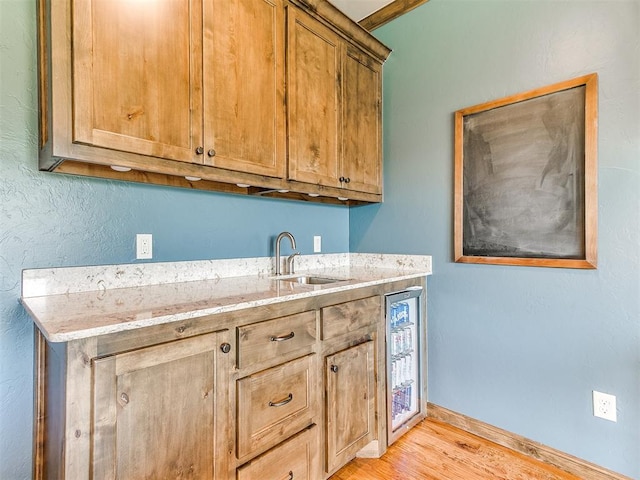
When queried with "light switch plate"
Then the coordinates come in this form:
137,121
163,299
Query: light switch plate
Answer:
317,244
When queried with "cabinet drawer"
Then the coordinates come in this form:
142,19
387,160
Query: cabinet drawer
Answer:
274,404
297,458
350,316
275,339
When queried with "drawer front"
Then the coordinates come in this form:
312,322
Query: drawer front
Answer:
297,458
350,316
275,339
274,404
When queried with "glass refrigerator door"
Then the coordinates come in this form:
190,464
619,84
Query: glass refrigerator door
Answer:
403,355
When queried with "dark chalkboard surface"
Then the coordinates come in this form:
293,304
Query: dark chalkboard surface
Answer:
522,173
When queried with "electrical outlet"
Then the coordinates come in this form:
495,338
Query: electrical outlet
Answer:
317,244
144,246
604,406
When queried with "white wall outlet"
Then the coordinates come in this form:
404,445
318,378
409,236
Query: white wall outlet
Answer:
604,406
144,246
317,244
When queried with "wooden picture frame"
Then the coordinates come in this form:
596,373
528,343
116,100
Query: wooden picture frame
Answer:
525,188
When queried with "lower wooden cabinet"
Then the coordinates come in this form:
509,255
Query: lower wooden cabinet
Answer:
275,404
295,459
157,411
350,403
288,391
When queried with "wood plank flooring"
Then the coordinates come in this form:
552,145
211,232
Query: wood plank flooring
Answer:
438,451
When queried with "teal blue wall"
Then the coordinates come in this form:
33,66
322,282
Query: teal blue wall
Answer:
518,347
54,220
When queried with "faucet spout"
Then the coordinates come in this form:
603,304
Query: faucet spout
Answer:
290,259
278,241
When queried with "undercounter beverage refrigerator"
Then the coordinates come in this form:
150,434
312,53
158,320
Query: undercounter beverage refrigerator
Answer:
406,351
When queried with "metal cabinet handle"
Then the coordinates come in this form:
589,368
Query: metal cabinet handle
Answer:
199,150
342,179
334,368
282,338
290,474
211,152
347,180
225,347
282,402
124,398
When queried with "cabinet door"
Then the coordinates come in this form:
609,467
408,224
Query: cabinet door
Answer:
244,86
350,409
314,70
362,117
137,69
161,412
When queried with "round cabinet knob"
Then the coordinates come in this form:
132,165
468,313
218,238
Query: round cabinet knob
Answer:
211,152
199,150
347,180
225,347
342,179
334,368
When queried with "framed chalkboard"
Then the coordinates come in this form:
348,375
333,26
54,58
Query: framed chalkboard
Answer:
526,178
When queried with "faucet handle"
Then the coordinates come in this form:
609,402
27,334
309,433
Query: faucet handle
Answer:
290,259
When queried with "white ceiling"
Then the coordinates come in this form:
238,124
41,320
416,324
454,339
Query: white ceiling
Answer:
359,9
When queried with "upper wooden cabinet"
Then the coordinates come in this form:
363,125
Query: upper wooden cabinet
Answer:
139,85
314,96
362,122
136,76
264,97
335,117
244,86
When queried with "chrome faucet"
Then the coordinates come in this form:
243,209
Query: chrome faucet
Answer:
290,258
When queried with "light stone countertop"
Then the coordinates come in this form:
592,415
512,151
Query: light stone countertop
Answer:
80,302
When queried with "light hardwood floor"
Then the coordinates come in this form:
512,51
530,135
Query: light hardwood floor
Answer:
437,451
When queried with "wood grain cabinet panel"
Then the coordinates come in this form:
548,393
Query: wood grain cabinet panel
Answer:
314,99
297,459
335,109
244,80
347,317
275,340
350,403
274,404
158,412
362,122
137,70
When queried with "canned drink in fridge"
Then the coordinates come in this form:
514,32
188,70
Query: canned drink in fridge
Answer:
397,341
394,374
403,313
408,339
393,314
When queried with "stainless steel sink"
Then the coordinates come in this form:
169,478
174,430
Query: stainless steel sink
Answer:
310,280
